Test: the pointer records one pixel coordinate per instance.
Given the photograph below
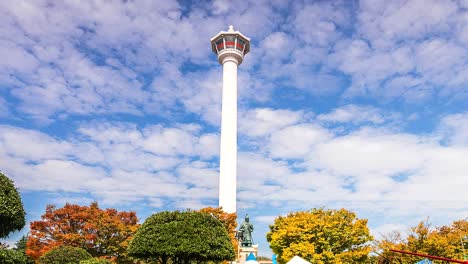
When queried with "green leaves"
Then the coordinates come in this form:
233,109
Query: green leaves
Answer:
95,261
12,256
320,236
182,237
65,255
12,215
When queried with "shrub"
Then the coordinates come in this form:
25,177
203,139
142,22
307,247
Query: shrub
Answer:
96,261
11,212
182,237
11,256
65,255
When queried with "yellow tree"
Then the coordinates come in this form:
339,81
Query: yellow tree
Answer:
320,236
445,241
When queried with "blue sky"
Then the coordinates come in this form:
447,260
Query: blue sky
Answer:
355,104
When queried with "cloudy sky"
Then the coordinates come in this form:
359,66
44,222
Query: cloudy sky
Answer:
355,104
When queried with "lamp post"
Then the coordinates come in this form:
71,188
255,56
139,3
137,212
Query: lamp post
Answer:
230,47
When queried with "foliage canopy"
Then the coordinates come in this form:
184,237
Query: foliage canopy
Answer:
12,215
444,241
95,261
12,256
320,236
65,255
101,232
229,221
181,237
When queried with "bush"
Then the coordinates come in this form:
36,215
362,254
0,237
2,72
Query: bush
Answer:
96,261
182,237
65,255
11,256
12,215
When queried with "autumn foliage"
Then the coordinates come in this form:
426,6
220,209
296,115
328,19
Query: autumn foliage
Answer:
320,236
101,232
444,241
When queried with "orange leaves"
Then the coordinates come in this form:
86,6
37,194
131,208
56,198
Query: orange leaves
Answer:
102,232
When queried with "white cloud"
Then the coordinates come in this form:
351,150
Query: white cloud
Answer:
262,121
116,162
318,23
354,114
385,23
4,108
368,166
296,141
455,129
404,50
276,46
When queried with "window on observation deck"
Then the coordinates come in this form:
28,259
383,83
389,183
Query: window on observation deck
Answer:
230,42
220,44
240,44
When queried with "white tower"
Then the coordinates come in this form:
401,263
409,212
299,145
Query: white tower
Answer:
230,46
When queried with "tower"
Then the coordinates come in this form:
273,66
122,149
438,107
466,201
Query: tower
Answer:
230,46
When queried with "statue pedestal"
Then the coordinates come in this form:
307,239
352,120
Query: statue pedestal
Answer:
243,252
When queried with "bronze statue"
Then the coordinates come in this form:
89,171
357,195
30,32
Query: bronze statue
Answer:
245,233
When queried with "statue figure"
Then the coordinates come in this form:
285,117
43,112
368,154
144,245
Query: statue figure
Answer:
245,232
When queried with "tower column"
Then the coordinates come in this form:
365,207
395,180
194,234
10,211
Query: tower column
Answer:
230,47
228,153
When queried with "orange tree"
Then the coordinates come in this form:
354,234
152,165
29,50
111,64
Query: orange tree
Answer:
101,232
320,236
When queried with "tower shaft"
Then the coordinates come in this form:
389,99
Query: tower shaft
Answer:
230,47
228,153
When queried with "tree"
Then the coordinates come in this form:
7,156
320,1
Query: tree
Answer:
20,248
12,215
320,236
229,221
65,255
102,232
444,241
95,261
182,237
12,256
20,245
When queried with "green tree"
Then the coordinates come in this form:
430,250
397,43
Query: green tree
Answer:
320,236
12,215
229,221
182,237
20,245
12,256
96,261
65,255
